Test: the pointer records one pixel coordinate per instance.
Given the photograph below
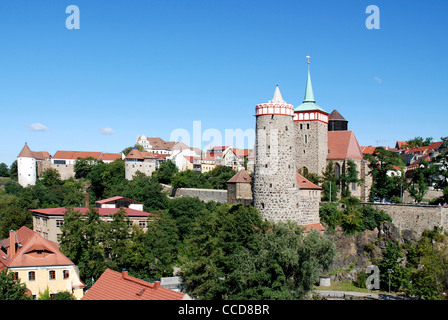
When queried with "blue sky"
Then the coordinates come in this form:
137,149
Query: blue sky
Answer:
150,67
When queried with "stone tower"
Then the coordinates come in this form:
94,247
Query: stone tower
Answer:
311,127
275,191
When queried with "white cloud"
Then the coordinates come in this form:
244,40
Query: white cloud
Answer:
37,127
378,79
107,131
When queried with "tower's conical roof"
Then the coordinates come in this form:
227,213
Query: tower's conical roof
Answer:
309,103
26,152
277,96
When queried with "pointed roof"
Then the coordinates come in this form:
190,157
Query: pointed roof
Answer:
343,145
27,153
277,97
31,243
241,177
309,103
335,115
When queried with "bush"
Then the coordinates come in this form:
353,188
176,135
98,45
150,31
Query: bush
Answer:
360,281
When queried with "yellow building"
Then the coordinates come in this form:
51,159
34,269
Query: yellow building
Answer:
39,264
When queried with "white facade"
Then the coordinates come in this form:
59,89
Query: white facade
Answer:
26,171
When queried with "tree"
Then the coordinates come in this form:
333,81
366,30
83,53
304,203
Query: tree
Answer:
329,186
13,171
418,142
348,176
219,176
384,185
126,151
165,171
429,266
184,211
161,244
286,265
11,289
441,164
50,177
392,264
190,179
420,181
117,240
4,171
83,166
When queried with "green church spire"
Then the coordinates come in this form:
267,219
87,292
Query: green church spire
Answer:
309,103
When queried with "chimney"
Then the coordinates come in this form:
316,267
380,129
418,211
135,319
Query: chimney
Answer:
12,243
156,284
124,273
87,199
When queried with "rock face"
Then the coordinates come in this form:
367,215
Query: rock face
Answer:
356,253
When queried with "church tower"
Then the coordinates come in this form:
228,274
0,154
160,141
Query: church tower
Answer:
275,190
311,127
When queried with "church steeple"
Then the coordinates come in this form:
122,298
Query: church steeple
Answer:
309,95
309,103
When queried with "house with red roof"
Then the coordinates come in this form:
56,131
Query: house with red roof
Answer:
39,264
48,221
113,285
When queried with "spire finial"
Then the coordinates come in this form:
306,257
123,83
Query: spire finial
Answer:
309,96
308,57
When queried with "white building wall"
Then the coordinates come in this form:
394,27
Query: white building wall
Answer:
26,171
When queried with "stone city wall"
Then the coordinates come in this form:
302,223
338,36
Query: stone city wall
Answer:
203,194
415,217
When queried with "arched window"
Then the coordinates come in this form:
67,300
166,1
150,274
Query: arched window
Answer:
337,170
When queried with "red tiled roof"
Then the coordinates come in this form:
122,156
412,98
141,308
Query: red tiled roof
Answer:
114,199
241,177
343,145
316,226
27,153
113,285
31,242
304,183
101,211
73,155
137,154
423,150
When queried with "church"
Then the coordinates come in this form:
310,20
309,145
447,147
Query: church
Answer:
303,139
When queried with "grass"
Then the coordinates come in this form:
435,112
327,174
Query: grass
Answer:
347,286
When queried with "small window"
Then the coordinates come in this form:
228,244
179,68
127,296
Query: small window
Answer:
66,274
308,126
301,126
52,275
31,276
15,275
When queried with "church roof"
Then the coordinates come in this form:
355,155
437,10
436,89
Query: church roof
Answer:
343,145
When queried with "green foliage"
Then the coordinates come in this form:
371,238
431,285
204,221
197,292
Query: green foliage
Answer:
126,151
4,170
419,184
428,264
360,281
190,179
11,289
12,215
185,210
165,171
348,176
418,142
392,264
354,218
214,179
329,185
233,254
385,186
